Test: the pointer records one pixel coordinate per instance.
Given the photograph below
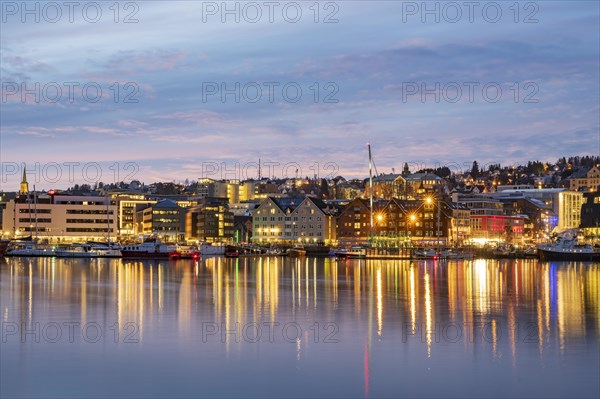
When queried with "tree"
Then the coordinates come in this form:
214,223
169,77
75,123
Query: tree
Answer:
475,170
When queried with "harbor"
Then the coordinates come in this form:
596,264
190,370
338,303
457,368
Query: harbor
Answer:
314,325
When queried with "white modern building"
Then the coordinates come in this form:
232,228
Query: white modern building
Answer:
60,218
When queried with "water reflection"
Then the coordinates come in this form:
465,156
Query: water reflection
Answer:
428,311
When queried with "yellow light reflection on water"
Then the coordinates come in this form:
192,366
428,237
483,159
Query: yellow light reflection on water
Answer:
379,303
428,312
560,301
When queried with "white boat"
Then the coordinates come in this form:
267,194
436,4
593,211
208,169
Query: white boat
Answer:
151,248
352,253
208,249
567,248
106,250
28,249
76,251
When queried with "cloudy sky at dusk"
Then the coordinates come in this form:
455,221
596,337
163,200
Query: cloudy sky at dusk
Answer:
370,66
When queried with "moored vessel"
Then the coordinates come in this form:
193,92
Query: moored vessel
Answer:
151,248
351,253
76,251
567,248
297,251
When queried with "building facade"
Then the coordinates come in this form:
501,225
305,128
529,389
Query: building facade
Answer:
210,222
589,183
294,220
60,218
164,219
590,217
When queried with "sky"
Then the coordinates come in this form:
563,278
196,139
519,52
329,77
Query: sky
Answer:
169,91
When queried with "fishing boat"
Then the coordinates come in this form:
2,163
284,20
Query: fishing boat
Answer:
567,248
151,248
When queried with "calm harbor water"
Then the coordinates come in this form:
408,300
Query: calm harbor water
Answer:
284,327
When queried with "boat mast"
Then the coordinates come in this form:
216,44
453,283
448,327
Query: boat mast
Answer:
36,213
107,220
439,210
371,187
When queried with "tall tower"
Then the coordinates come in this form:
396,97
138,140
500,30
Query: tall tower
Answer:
24,185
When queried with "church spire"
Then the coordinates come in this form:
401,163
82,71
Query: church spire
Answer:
24,184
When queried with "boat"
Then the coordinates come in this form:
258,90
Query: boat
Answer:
106,250
231,251
151,248
28,248
351,253
297,251
317,250
186,252
211,249
423,253
76,251
566,248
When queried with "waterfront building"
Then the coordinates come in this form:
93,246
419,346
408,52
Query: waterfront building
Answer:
398,223
60,217
590,217
294,220
212,221
354,223
164,219
565,204
488,221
